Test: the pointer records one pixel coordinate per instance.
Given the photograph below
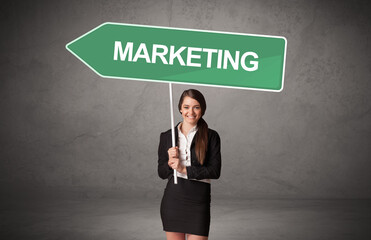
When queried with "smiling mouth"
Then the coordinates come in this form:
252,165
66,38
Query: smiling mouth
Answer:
191,117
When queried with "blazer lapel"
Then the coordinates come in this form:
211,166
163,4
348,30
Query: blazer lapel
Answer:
176,135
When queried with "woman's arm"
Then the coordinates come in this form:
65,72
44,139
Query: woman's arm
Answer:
212,167
164,171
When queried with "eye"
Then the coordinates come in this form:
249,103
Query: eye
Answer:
186,107
197,107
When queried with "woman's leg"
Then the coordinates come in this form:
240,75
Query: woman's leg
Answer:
196,237
175,236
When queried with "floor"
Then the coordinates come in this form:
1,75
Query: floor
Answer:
129,219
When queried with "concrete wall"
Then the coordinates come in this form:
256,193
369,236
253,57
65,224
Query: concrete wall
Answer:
66,130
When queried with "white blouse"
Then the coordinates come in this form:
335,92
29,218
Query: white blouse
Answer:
185,151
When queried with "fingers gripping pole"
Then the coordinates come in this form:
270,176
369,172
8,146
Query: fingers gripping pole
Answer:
172,125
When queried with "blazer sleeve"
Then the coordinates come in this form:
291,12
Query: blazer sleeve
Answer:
212,167
164,171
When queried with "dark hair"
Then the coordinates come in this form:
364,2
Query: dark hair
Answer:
201,137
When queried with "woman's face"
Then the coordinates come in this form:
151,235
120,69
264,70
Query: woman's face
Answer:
191,110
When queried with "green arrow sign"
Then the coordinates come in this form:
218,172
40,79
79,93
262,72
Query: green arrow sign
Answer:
164,54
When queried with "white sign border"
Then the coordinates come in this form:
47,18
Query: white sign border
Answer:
185,83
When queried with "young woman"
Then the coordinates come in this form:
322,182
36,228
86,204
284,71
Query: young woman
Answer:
185,207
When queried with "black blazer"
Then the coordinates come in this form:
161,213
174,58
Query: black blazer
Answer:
212,164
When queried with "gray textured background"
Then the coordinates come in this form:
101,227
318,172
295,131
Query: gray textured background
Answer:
66,131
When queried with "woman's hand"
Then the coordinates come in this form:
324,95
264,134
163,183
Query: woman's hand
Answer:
174,162
173,152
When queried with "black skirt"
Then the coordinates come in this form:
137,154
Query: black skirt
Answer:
185,207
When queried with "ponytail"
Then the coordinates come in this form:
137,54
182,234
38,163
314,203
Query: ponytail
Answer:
201,140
